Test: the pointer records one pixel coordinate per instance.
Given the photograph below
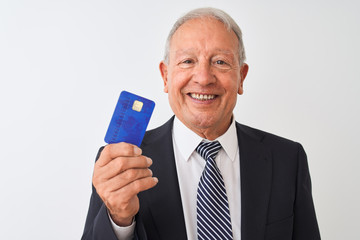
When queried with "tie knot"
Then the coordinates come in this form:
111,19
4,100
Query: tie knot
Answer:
208,149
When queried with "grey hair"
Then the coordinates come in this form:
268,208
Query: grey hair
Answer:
218,14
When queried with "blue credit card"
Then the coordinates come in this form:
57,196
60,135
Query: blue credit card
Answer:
130,119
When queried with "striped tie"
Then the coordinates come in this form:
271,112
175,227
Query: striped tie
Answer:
213,215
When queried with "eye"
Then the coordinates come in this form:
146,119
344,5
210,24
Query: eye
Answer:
221,64
187,61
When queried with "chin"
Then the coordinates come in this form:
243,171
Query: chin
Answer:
203,122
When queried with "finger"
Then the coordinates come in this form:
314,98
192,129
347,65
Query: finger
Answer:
129,191
121,164
117,199
112,151
125,178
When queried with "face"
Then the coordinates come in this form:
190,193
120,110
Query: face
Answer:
203,76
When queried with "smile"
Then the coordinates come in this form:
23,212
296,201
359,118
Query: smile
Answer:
202,97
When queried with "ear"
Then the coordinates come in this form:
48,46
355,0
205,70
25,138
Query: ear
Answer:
243,72
163,70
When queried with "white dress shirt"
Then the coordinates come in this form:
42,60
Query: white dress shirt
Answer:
189,166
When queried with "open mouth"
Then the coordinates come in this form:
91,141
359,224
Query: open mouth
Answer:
202,97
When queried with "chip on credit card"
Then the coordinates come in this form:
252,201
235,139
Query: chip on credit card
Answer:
130,119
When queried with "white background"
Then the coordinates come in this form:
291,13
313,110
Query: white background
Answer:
64,63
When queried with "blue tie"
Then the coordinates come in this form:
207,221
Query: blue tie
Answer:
213,215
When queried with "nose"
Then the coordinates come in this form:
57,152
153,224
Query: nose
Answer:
203,74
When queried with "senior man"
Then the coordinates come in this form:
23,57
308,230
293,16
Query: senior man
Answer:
210,177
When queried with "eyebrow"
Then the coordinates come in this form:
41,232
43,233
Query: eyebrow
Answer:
181,51
191,50
225,51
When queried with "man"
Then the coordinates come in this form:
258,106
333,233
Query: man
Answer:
265,178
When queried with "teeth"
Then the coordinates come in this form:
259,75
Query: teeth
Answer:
202,97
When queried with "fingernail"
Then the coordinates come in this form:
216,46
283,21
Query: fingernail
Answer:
149,161
137,151
156,179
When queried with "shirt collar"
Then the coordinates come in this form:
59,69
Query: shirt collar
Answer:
186,140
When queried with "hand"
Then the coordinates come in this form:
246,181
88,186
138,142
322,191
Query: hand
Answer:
120,173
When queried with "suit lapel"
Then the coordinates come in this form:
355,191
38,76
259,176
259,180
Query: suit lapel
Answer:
165,200
256,174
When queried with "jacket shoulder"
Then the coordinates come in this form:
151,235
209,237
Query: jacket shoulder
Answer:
266,138
159,133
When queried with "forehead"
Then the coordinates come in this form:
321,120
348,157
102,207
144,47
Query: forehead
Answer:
204,33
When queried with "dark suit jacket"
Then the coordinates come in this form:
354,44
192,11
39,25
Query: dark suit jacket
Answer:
276,199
